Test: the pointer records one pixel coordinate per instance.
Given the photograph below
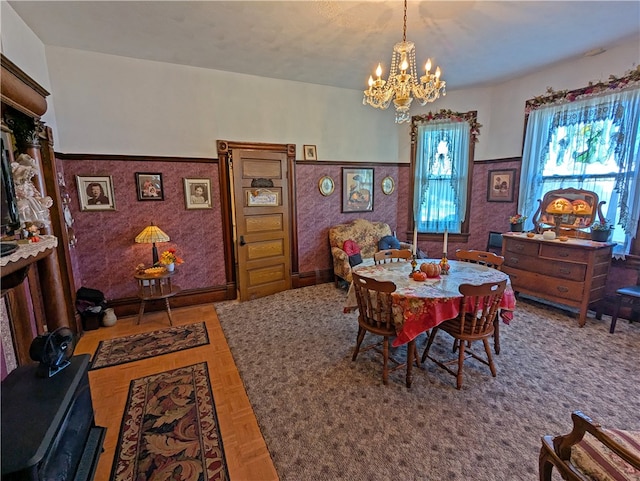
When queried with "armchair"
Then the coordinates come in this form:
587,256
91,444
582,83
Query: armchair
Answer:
591,452
366,234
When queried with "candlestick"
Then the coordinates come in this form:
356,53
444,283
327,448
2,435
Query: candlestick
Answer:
446,240
415,239
444,265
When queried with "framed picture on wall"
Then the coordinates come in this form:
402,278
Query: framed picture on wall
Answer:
197,193
310,152
357,190
149,186
501,185
95,192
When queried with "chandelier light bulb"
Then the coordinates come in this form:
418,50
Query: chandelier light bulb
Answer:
438,73
427,67
370,81
379,71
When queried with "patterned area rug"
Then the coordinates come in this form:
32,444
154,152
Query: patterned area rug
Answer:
142,346
170,429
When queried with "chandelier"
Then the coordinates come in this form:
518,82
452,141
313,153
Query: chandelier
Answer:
403,81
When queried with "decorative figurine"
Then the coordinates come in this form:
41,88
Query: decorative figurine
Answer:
414,264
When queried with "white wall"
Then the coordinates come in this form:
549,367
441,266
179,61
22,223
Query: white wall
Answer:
20,45
116,105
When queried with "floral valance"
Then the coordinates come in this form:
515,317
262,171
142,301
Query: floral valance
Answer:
447,116
631,79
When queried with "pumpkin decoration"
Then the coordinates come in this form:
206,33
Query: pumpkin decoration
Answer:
431,269
419,276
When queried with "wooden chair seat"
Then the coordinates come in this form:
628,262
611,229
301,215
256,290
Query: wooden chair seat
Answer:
590,452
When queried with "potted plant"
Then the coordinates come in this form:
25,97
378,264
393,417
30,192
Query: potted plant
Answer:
601,231
517,222
169,259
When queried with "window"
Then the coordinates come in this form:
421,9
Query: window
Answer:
590,144
442,159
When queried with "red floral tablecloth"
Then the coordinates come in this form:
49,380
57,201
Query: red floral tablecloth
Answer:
419,306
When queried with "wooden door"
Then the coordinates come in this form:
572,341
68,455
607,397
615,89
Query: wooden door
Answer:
262,222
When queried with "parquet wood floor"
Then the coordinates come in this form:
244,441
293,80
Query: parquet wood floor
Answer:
246,452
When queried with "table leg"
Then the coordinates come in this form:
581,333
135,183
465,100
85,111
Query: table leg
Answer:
169,311
140,312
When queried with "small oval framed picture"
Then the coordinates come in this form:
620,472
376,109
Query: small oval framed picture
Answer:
388,185
326,185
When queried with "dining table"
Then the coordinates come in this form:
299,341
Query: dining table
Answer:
421,305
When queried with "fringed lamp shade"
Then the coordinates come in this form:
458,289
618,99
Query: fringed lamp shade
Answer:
151,235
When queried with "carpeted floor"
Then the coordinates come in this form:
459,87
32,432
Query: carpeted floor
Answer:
120,350
170,429
325,417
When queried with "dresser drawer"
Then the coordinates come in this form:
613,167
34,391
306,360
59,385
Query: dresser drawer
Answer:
561,270
562,253
521,247
539,284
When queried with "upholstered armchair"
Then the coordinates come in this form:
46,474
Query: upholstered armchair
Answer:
591,452
366,234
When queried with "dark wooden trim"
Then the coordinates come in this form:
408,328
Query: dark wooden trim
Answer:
293,228
497,161
133,158
129,306
226,208
312,278
20,91
352,163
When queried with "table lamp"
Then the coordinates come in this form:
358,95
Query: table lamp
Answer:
151,235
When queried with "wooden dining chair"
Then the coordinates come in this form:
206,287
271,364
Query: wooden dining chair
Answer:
375,315
391,255
484,258
478,311
488,259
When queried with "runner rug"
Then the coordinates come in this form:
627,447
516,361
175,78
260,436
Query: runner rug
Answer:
170,429
149,344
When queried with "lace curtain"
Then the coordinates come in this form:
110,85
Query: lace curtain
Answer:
441,172
591,144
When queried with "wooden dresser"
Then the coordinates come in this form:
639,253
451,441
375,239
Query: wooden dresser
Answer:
572,273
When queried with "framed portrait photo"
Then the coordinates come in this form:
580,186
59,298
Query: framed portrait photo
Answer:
357,190
501,185
310,152
388,185
95,192
197,193
149,186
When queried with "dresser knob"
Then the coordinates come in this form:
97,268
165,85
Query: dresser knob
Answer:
564,271
563,254
563,289
514,260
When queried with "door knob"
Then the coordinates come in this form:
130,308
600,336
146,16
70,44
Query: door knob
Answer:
242,242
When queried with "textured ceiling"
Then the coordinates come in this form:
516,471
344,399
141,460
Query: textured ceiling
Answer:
339,43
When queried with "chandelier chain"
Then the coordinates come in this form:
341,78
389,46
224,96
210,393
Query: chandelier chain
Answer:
404,30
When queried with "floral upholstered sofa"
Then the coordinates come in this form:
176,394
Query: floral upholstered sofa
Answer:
366,235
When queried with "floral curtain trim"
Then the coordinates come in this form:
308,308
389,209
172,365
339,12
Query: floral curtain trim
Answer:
631,79
445,115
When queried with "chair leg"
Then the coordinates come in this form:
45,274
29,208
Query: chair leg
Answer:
496,335
461,347
545,466
487,349
385,361
614,319
434,331
361,333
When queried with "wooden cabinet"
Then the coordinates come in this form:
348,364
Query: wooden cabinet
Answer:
573,273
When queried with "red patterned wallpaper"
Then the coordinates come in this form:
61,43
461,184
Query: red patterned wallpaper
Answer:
106,255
